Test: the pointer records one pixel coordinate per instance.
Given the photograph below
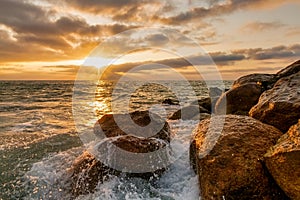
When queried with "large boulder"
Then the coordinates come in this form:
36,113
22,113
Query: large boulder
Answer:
239,100
289,70
190,112
283,162
265,80
107,125
280,106
228,163
120,153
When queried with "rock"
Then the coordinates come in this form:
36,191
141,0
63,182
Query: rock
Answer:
231,167
204,103
170,102
283,162
289,70
142,118
280,106
239,100
265,80
88,171
191,112
119,153
215,92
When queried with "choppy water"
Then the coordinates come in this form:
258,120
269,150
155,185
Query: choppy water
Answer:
39,141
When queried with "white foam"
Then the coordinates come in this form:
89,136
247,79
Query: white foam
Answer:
49,178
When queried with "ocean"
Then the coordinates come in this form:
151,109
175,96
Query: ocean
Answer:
39,137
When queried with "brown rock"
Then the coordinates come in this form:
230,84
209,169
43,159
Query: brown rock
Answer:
280,106
191,112
228,163
265,80
289,70
283,162
108,125
86,172
129,156
239,100
207,103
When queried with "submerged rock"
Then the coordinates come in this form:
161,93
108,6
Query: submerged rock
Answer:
121,153
191,112
265,80
280,106
229,164
283,162
170,102
239,100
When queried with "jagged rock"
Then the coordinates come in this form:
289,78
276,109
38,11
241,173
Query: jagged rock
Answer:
239,100
289,70
283,162
120,153
191,112
265,80
280,106
170,102
228,163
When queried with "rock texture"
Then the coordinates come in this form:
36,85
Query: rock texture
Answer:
289,70
265,80
88,170
280,106
231,167
283,162
108,125
239,100
191,112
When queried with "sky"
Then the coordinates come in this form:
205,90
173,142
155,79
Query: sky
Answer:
57,40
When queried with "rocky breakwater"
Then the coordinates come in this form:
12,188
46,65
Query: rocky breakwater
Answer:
141,154
245,160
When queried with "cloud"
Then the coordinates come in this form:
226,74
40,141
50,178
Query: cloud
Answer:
215,9
30,32
261,26
277,52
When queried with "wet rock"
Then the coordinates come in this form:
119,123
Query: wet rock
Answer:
215,92
123,154
159,127
170,102
207,103
191,112
283,162
289,70
239,100
280,106
228,162
86,173
265,80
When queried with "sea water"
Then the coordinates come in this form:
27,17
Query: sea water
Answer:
39,140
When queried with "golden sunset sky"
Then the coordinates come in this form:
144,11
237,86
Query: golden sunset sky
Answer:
50,39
